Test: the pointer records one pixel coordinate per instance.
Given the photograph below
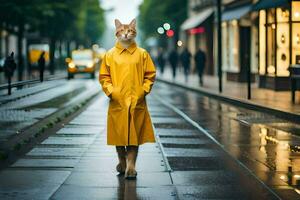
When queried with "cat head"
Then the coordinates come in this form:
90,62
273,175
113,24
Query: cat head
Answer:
125,32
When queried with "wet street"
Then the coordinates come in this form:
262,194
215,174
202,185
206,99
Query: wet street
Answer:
204,149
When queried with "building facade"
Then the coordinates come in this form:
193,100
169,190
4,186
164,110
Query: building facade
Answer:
239,40
279,42
198,31
261,34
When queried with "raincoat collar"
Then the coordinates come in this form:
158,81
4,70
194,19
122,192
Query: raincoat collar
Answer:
131,48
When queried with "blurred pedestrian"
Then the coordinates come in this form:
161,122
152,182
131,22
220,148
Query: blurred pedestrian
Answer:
200,60
173,60
185,58
9,68
161,60
41,64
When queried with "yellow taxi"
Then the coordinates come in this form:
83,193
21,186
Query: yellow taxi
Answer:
82,61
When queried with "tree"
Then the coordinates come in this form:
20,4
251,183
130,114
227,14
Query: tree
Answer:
94,25
59,21
153,13
15,14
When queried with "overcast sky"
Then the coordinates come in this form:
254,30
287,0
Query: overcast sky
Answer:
124,10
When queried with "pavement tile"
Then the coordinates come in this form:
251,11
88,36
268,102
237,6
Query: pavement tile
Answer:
67,152
44,163
81,130
217,192
167,120
68,192
35,184
108,164
196,163
204,177
68,140
185,152
176,132
185,141
110,179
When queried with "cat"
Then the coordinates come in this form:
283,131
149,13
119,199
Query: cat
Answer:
125,33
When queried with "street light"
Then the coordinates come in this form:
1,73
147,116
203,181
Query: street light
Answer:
160,30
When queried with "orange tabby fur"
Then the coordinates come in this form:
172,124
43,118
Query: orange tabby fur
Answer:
125,33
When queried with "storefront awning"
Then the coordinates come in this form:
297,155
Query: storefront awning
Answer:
266,4
196,20
236,13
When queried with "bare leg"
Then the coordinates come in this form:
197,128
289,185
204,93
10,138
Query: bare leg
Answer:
132,152
122,159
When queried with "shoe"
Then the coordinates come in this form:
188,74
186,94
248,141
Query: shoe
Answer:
131,175
120,169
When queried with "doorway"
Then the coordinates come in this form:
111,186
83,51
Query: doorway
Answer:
245,42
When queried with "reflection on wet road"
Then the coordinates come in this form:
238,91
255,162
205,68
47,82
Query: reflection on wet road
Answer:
267,145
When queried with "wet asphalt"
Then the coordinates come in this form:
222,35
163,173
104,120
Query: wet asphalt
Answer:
205,149
265,146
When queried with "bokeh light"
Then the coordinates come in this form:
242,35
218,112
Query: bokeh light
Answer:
179,43
167,26
160,30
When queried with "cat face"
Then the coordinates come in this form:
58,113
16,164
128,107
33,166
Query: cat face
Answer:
125,32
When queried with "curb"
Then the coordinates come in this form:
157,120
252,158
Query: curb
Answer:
37,129
238,102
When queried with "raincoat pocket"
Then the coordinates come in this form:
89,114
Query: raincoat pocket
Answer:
115,95
140,93
116,99
140,98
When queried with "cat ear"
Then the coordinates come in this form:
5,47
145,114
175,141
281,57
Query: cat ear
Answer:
133,23
117,23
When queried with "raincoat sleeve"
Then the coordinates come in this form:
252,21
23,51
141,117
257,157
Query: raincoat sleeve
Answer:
149,73
104,77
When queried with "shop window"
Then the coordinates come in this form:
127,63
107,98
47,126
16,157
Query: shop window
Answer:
233,46
271,46
262,42
283,47
225,42
296,32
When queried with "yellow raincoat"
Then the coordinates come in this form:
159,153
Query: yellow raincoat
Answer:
127,76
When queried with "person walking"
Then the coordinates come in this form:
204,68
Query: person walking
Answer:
161,60
173,59
9,67
41,64
185,58
127,75
200,60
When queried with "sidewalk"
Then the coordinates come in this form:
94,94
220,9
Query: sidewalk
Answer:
278,102
76,163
